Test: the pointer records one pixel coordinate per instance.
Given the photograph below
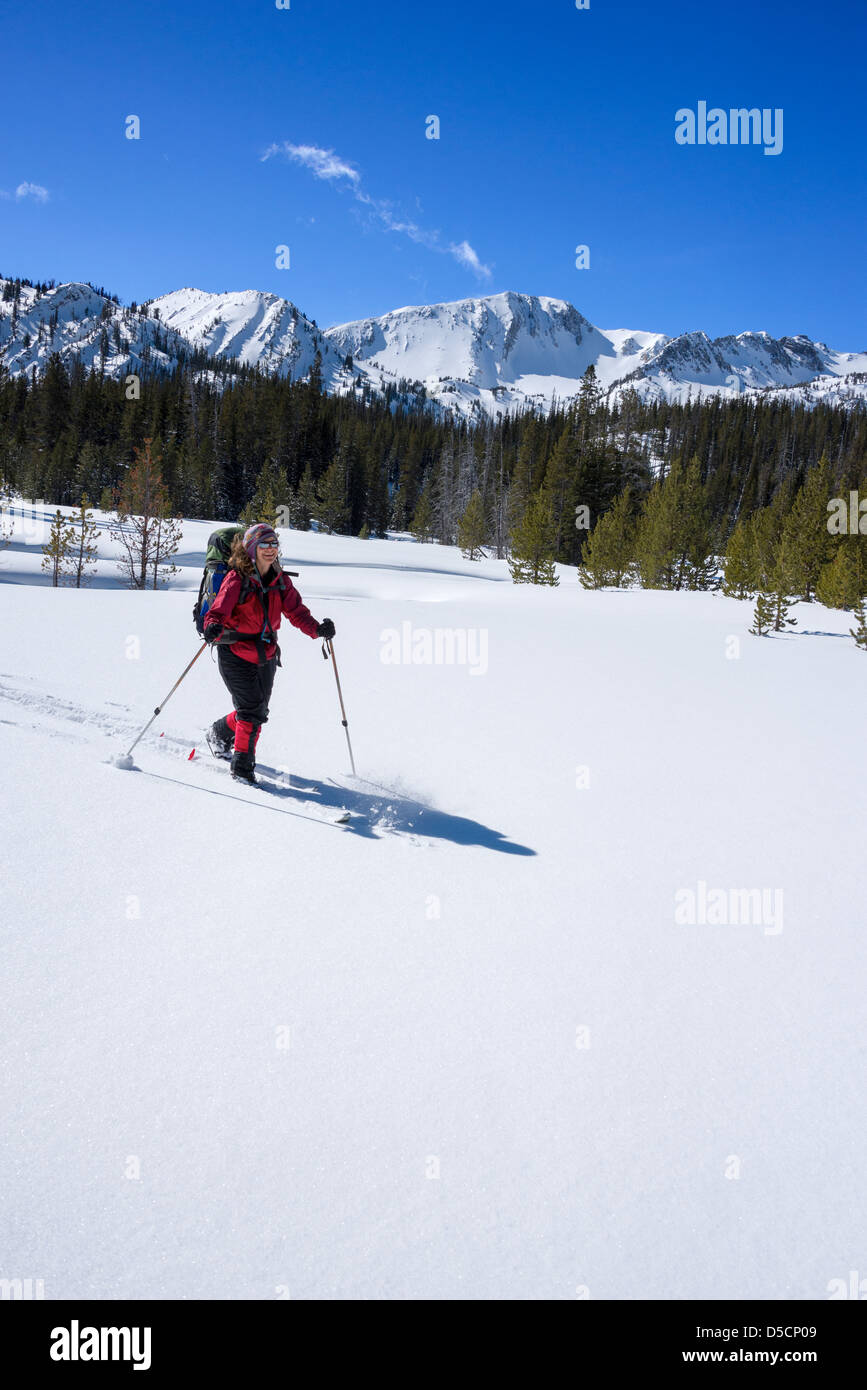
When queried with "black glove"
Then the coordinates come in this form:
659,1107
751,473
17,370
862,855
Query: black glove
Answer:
213,632
325,629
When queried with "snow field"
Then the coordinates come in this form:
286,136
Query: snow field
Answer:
462,1049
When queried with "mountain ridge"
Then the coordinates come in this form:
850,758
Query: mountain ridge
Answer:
475,357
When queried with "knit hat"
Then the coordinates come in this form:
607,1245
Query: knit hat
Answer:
255,535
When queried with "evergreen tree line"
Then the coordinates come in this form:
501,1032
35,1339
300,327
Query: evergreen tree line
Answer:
796,549
668,486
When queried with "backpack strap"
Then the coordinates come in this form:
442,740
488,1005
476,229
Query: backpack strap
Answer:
198,605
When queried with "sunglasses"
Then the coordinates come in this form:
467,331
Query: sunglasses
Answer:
268,545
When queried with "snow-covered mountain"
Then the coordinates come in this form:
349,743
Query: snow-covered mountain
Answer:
509,350
256,328
692,362
491,354
82,325
475,357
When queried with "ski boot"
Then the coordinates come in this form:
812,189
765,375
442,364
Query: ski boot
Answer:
244,767
220,739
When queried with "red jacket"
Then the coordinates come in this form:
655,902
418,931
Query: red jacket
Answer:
249,616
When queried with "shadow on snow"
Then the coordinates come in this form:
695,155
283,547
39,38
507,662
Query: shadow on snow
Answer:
379,809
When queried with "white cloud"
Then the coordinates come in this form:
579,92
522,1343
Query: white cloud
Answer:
325,164
32,190
464,253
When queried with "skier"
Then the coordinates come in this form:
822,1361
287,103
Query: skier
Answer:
248,665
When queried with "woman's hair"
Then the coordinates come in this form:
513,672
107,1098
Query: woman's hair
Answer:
238,558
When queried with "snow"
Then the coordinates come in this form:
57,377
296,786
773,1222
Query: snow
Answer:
347,1061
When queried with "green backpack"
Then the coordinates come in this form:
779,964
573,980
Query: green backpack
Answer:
215,571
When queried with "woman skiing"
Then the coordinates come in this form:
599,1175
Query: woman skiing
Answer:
243,620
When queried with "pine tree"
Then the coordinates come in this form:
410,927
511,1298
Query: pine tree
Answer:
810,543
860,631
443,486
89,470
840,582
781,605
741,579
597,474
528,467
533,545
314,378
376,488
560,490
763,615
305,501
473,528
57,552
766,534
271,489
84,552
408,483
500,510
657,538
606,558
780,587
674,545
422,524
697,563
332,509
265,507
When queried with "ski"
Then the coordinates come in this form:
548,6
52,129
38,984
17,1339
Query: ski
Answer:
277,782
272,781
276,787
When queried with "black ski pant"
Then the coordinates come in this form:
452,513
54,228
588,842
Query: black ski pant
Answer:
250,687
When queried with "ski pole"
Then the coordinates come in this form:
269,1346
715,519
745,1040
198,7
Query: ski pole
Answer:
125,760
328,644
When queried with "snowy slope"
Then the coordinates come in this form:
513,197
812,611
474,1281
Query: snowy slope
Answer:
462,1049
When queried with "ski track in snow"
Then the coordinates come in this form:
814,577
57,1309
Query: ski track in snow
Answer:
392,811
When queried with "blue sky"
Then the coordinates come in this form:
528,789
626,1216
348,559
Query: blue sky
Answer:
556,129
